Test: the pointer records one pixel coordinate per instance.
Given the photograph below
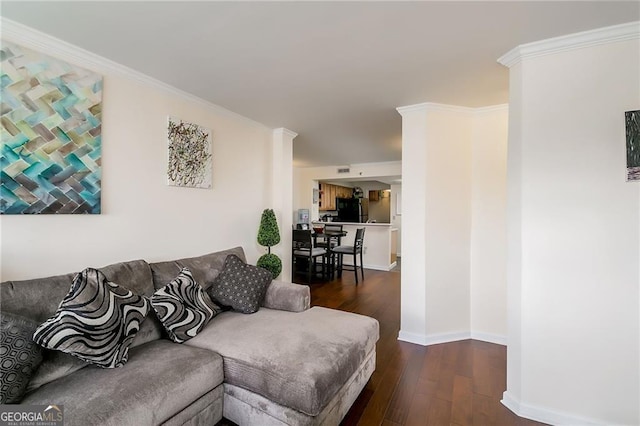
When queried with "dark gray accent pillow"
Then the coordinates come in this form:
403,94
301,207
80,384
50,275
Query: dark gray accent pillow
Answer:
20,356
96,321
183,307
240,285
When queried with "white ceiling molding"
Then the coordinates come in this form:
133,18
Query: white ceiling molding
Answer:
491,108
432,106
615,33
286,132
36,40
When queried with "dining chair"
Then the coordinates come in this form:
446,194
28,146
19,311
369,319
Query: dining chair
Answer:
332,236
355,250
302,249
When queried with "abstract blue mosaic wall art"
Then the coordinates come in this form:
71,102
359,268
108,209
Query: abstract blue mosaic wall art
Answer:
50,145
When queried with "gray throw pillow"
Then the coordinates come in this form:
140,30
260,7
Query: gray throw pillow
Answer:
240,286
183,307
20,356
96,321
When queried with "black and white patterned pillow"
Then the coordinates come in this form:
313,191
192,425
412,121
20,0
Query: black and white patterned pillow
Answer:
96,321
241,286
183,307
20,356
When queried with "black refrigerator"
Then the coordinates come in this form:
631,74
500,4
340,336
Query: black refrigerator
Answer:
353,209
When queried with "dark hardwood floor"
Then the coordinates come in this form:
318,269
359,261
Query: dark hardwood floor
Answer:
459,383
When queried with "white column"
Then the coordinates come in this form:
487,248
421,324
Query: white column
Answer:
574,235
282,194
436,210
413,316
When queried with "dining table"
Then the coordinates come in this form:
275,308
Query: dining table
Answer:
328,236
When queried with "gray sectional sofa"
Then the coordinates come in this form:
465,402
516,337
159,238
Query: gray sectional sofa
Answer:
285,364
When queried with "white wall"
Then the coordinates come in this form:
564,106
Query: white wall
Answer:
574,237
142,216
488,224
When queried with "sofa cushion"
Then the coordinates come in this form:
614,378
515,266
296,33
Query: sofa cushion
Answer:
204,268
38,299
96,321
183,307
299,360
166,378
20,356
54,365
240,286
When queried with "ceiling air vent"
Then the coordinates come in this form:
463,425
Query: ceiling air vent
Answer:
344,170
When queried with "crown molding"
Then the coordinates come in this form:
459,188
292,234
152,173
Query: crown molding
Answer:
491,108
284,132
433,106
615,33
52,46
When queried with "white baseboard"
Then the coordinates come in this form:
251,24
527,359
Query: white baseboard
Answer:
418,339
545,415
489,337
434,339
375,267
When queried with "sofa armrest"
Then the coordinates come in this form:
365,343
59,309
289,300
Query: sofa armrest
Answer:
287,297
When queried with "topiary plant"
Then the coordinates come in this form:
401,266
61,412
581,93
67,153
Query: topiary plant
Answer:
271,263
269,235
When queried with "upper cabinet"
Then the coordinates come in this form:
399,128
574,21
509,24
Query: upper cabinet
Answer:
329,193
343,192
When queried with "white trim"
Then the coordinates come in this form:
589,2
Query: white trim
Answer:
418,339
49,45
545,415
282,131
489,337
615,33
434,339
374,267
432,106
492,108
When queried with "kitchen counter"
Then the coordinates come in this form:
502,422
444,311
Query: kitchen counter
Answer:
380,240
351,223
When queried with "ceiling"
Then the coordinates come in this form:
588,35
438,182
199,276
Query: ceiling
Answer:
333,72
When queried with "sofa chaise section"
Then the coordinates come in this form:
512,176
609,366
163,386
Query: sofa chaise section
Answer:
298,360
160,379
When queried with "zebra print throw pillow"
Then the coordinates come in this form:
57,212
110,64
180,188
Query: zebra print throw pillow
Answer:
183,307
96,321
